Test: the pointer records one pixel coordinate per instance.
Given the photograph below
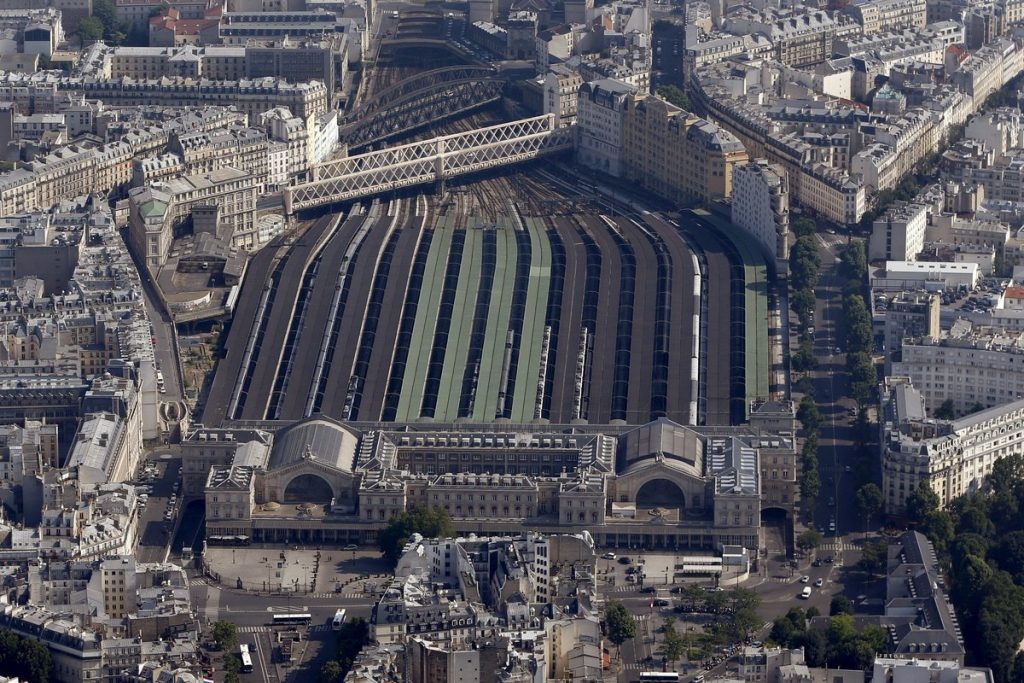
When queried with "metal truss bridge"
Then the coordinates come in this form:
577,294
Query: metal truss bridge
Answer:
429,161
421,100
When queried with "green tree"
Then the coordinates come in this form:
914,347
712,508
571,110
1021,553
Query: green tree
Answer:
809,540
854,261
810,482
674,95
225,634
619,623
354,634
673,646
946,410
429,522
808,414
804,227
90,30
330,672
840,605
869,501
743,622
803,359
922,501
874,557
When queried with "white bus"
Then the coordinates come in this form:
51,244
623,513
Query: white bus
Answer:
339,619
659,677
300,619
243,653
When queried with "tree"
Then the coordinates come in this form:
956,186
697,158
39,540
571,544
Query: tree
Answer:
674,646
922,501
804,227
674,95
810,480
225,634
803,359
330,672
354,634
430,522
874,557
619,623
743,622
854,261
840,605
809,540
869,501
946,410
808,414
90,30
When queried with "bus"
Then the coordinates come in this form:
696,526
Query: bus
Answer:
339,619
659,677
243,653
292,619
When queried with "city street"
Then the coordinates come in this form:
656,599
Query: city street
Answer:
154,528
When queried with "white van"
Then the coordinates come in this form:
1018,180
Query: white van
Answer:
805,593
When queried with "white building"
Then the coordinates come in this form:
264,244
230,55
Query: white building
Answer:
967,365
600,123
760,204
899,670
930,275
899,234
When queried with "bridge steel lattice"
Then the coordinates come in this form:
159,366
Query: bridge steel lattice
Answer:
429,161
421,100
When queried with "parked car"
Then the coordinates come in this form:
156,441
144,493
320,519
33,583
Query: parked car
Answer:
609,556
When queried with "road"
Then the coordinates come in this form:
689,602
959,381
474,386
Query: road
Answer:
165,348
836,447
154,528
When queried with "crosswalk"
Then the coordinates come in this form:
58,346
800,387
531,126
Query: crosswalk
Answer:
354,595
314,628
837,546
197,582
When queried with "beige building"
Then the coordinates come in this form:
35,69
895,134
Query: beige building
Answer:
890,15
155,212
677,155
658,485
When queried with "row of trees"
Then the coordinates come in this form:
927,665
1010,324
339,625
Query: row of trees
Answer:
429,522
810,479
838,646
857,323
24,658
104,25
981,540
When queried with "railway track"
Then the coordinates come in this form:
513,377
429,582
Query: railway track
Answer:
524,298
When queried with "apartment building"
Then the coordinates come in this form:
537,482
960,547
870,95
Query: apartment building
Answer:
910,315
156,211
760,204
600,123
889,15
677,155
968,365
953,457
898,235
